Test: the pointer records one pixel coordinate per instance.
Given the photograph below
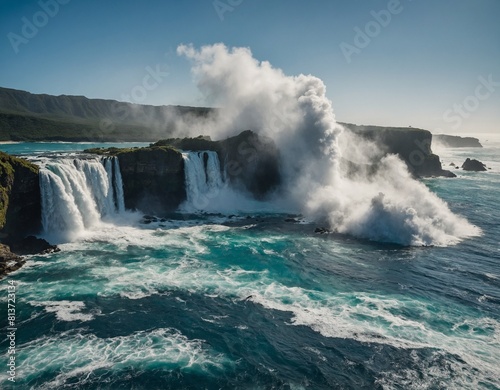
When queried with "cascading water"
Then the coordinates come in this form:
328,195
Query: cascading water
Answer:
203,178
118,186
78,193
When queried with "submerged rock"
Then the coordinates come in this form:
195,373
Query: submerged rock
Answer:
473,165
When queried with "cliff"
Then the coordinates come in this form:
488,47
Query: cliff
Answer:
39,117
20,210
20,205
412,145
153,177
252,161
453,141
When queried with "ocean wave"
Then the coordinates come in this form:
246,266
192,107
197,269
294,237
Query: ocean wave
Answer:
76,359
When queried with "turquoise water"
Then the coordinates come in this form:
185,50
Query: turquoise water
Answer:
253,301
34,148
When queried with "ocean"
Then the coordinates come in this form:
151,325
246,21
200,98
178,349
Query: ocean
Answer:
257,300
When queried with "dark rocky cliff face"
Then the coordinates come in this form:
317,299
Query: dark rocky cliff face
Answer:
20,204
413,146
251,161
153,179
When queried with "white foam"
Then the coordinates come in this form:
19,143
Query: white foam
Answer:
77,194
66,310
361,316
86,356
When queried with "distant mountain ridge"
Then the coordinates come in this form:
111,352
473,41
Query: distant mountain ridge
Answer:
40,117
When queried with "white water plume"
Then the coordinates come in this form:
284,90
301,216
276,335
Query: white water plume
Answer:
387,205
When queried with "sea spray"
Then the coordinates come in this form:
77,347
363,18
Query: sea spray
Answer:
386,205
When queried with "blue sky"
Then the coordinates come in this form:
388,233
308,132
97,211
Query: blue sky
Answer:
425,67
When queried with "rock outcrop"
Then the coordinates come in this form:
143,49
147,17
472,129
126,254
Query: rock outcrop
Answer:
20,212
453,141
32,245
153,177
473,165
9,261
413,146
154,180
20,204
251,161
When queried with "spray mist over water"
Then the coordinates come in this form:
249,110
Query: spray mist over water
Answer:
385,204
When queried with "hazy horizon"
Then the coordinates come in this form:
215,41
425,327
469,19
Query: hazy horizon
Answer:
431,65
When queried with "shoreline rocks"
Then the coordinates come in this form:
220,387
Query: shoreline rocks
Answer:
473,165
12,254
9,261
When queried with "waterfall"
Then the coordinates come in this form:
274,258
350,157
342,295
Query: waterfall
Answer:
203,178
78,193
118,186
